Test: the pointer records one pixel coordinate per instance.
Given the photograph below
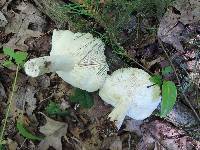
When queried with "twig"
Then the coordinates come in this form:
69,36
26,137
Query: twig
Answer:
23,144
179,82
129,141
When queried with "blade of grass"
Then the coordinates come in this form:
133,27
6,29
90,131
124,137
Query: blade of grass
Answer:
9,104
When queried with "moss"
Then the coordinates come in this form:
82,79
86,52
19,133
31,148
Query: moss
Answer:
105,19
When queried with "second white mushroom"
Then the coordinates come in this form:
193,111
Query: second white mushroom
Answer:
131,93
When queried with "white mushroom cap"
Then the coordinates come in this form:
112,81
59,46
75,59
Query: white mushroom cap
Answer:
131,92
78,58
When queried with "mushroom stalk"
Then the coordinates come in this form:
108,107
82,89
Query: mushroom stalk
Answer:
39,66
119,113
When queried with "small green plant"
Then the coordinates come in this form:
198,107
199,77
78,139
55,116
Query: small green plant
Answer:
82,97
169,94
167,70
75,8
53,109
169,91
18,57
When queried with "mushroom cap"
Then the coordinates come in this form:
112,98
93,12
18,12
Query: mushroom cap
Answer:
133,86
90,70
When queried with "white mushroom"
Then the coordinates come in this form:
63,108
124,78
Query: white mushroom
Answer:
78,58
131,92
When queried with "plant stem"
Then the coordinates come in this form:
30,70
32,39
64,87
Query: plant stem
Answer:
9,104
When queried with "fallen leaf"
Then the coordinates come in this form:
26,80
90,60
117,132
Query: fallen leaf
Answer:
112,143
99,109
24,98
2,3
54,130
12,145
167,135
183,12
29,22
133,126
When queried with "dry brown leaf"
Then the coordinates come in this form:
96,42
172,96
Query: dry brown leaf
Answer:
24,98
12,145
54,131
98,110
183,12
133,126
112,143
2,3
20,24
166,135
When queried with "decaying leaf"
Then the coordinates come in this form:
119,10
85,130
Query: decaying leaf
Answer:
24,98
12,145
112,143
167,136
133,126
182,13
53,130
2,3
27,22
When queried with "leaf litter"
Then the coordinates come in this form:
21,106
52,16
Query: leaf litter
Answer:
167,136
25,23
181,14
85,128
54,131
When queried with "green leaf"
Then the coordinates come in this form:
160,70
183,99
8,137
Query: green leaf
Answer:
20,57
24,132
87,102
167,70
83,98
169,94
2,146
9,52
157,79
8,63
54,109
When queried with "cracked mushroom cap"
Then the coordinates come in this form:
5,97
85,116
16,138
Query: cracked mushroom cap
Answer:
131,93
78,58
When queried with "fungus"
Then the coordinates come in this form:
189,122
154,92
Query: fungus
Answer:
131,93
78,58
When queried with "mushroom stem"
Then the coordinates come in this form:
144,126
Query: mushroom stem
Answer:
119,113
39,66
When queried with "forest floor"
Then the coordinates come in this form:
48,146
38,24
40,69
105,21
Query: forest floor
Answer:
160,37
